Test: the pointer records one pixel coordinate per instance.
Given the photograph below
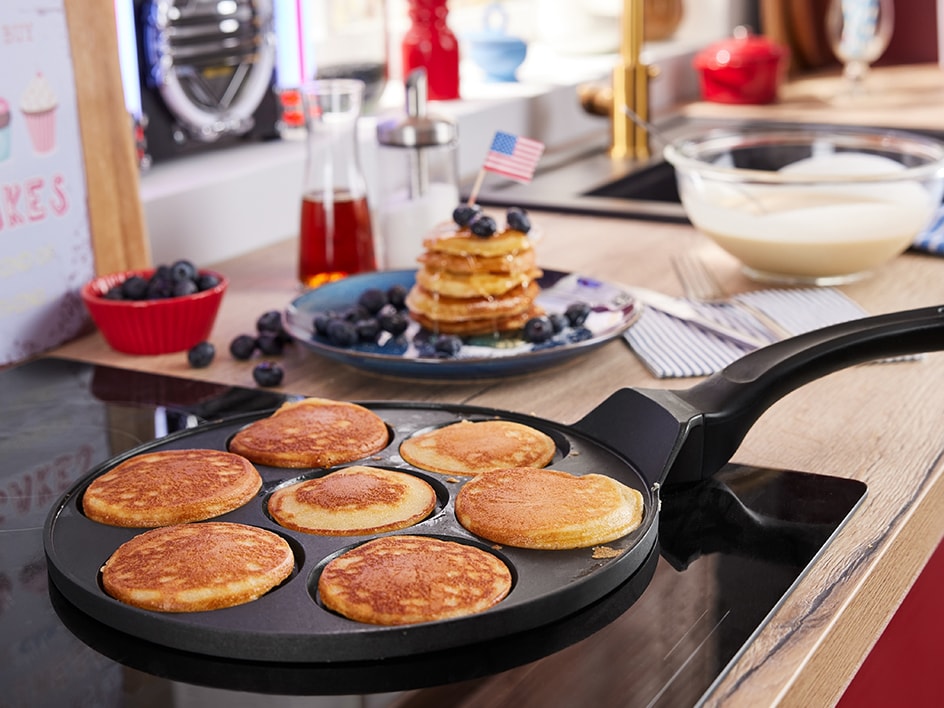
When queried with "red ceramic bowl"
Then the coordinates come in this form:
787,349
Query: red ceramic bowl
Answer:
152,326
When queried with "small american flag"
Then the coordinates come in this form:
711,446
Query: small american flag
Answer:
513,157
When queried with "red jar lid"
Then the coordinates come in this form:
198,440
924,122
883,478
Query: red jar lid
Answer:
743,49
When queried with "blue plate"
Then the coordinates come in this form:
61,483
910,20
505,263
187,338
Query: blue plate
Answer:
613,311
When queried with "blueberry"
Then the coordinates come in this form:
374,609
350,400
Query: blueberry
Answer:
158,288
183,270
367,330
576,313
270,343
354,313
372,300
387,311
207,281
465,213
321,321
200,355
483,226
242,347
396,296
342,333
134,288
267,373
270,321
538,329
448,345
180,288
558,322
396,324
114,293
517,219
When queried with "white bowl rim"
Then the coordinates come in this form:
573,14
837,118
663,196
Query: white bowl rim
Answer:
680,154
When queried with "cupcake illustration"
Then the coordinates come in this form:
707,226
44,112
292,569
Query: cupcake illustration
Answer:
4,130
38,106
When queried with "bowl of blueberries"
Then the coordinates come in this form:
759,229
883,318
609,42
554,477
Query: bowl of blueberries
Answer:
159,310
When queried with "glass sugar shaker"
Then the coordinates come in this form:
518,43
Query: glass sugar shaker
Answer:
419,175
336,235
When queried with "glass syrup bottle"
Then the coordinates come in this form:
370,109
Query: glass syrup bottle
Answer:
336,237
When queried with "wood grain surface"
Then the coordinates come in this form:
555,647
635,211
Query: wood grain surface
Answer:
116,217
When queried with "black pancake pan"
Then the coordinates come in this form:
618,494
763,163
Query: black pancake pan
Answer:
644,438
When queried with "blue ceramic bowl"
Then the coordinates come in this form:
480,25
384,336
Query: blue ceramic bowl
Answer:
496,52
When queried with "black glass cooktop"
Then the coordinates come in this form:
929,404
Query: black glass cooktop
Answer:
729,551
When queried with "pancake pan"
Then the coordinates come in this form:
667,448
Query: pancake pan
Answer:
643,438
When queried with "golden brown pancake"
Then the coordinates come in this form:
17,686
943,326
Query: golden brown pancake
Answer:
486,325
464,243
450,309
470,285
197,567
547,509
171,487
473,285
511,263
355,500
312,432
470,448
396,580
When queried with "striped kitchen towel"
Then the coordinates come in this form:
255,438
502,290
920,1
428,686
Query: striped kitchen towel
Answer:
931,240
672,348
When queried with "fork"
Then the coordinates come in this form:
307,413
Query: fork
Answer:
701,285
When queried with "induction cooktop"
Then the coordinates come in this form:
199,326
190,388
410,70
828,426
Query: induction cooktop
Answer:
729,551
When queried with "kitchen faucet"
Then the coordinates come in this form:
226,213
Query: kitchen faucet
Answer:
629,88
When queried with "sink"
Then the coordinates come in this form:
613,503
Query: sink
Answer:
585,180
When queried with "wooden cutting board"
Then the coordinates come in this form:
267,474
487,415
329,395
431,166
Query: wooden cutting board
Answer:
116,217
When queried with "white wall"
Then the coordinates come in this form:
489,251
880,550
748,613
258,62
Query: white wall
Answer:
222,204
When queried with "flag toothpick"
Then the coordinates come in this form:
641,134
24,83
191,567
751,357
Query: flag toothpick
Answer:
511,156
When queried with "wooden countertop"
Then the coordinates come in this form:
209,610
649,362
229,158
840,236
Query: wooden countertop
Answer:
881,423
907,97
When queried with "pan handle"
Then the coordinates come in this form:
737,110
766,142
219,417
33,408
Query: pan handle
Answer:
731,400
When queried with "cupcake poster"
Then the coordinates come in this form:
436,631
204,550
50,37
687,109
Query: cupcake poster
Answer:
45,246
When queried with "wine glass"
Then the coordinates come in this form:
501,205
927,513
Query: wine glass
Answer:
859,32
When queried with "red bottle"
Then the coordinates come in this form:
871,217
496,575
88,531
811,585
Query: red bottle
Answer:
429,43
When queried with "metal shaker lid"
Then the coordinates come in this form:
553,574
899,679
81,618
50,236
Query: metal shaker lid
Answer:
417,129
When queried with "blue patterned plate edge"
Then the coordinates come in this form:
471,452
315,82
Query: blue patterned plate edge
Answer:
613,311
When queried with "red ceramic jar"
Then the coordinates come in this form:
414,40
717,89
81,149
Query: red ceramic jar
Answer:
745,68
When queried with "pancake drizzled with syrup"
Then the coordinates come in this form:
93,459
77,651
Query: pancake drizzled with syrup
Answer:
312,432
476,279
171,487
353,501
197,567
469,448
398,580
548,509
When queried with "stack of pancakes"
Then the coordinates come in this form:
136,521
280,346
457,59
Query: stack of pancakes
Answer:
471,284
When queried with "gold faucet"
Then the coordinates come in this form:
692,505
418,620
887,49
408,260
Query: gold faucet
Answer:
629,89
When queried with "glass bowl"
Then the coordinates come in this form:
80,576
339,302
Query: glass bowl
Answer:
820,206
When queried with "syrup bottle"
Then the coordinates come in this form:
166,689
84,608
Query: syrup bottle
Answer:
430,44
336,237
